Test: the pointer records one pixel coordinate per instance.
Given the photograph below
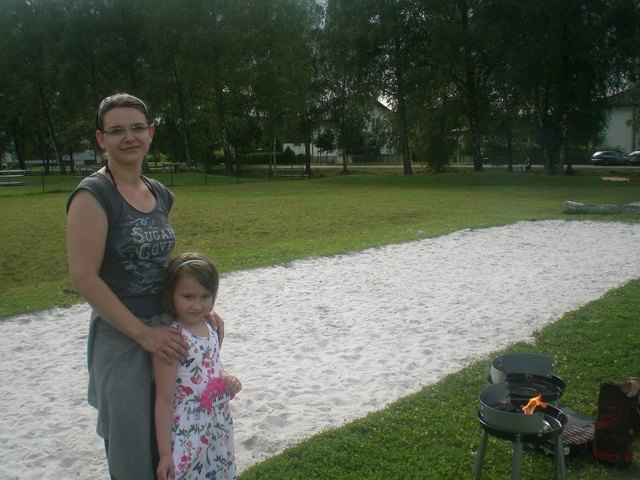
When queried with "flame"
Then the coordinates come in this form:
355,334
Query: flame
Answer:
534,403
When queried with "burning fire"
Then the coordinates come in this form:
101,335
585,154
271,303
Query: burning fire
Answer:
534,403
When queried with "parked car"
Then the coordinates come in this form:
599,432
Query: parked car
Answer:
634,158
609,157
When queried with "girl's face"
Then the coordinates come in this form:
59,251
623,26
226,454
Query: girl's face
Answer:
191,300
126,136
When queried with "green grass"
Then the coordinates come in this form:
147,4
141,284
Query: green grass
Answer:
432,434
246,224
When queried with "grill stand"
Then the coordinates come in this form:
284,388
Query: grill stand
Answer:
518,439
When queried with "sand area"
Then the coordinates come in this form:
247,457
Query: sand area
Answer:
322,341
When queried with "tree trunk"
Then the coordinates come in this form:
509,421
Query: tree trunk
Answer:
273,172
564,146
182,112
16,132
404,136
474,122
471,89
476,143
307,156
345,168
541,115
306,128
563,155
223,134
72,166
402,120
509,149
52,137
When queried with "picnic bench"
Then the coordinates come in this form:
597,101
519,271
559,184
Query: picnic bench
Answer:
8,177
165,167
86,170
293,171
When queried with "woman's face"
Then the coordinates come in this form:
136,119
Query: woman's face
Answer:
126,136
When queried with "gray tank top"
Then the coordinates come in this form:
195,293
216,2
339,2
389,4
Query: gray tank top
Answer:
137,245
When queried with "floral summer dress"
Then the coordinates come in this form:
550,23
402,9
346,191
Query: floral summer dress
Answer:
203,444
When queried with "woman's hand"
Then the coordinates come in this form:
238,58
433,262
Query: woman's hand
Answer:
217,324
165,342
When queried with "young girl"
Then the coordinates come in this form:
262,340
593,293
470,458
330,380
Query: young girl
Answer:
193,424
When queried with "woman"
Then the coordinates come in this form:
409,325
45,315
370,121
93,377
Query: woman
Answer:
119,240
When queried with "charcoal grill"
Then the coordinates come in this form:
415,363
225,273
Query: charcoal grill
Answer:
501,416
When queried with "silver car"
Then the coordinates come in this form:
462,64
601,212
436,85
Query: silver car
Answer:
609,157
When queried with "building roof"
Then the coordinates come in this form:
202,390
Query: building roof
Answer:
626,98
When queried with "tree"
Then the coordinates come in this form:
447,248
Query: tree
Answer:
124,49
345,62
326,141
33,37
218,33
308,79
281,72
569,47
252,73
169,39
457,50
394,50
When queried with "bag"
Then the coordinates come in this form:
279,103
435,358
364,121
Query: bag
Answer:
617,410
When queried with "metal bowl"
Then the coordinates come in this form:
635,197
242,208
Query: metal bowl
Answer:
520,363
549,430
502,412
524,387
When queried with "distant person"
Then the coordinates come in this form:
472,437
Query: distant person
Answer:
119,241
193,424
526,168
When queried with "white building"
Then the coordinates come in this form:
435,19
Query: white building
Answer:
378,117
623,128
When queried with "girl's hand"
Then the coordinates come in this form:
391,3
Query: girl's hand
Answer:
217,324
166,468
232,385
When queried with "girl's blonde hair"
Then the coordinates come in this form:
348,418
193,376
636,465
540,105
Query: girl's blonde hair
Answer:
196,266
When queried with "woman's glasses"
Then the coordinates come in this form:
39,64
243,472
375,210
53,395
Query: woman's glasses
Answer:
137,129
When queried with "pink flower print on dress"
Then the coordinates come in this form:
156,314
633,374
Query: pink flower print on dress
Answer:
214,390
182,391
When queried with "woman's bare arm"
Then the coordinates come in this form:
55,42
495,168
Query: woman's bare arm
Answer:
86,238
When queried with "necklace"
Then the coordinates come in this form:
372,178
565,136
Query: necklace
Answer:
106,169
144,180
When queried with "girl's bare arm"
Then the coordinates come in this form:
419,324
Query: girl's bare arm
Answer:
165,375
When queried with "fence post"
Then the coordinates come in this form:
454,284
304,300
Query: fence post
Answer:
42,178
